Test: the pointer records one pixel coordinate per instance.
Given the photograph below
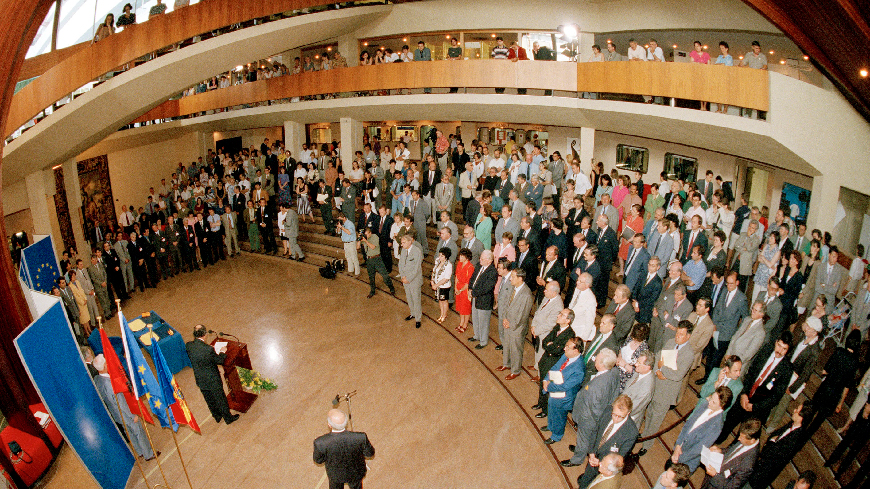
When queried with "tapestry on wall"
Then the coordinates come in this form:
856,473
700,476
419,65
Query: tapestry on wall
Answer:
60,203
98,206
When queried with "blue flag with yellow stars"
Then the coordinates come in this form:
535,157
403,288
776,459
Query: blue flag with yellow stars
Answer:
39,267
145,386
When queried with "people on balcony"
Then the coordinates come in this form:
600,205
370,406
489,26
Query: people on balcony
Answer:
156,10
128,17
106,29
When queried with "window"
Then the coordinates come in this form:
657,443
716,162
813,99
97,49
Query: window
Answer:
632,158
406,134
42,42
680,167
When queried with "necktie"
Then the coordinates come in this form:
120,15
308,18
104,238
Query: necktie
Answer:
606,434
576,256
564,364
716,293
799,240
595,346
691,242
656,247
618,308
761,379
630,260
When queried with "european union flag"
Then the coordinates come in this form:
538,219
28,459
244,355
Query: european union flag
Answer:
39,267
143,381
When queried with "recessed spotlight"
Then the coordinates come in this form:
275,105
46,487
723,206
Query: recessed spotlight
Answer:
740,57
492,35
477,55
404,39
316,56
447,36
771,51
382,47
675,46
646,46
609,41
807,58
782,61
864,72
329,48
705,47
366,43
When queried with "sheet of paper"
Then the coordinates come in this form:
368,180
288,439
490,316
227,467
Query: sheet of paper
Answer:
712,459
670,358
716,337
557,395
321,198
795,395
219,345
556,377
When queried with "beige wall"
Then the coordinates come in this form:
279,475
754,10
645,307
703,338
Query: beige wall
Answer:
14,197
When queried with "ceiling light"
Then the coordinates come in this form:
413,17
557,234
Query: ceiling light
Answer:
807,58
366,43
782,61
646,46
864,72
447,36
675,46
239,68
382,47
705,46
771,51
329,48
492,35
740,57
316,56
404,39
609,41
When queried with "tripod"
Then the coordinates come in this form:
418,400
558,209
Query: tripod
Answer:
346,397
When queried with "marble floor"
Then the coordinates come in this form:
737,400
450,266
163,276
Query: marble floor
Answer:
437,414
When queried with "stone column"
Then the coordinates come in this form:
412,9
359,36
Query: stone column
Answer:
823,202
40,187
587,148
351,141
348,46
294,138
74,201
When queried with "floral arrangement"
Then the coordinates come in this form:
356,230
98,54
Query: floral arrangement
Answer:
254,382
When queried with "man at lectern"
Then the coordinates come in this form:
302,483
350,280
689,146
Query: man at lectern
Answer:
205,360
344,452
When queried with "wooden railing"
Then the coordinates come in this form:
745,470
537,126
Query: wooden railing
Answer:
91,62
726,85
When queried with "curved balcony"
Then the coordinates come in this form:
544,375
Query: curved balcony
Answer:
86,64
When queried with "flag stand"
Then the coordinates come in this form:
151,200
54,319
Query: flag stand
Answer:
124,425
159,465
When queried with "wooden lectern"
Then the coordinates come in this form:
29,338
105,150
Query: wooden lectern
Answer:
237,356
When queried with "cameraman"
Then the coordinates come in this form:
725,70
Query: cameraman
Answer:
348,236
374,263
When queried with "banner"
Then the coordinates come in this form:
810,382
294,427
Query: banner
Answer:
39,266
143,381
53,360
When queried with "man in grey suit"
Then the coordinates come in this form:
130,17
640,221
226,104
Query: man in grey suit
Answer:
661,244
503,296
104,388
746,250
668,381
750,336
481,291
230,223
591,401
446,240
507,224
616,434
831,279
69,303
348,196
730,309
772,311
291,232
622,309
473,244
444,195
411,273
603,340
639,386
120,247
88,286
518,207
420,211
516,303
545,316
670,309
97,271
606,209
861,310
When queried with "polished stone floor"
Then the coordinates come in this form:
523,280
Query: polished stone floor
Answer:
437,414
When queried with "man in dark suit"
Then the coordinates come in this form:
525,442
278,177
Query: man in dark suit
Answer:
608,249
593,268
265,222
528,261
576,263
471,211
646,292
694,236
738,459
616,433
587,231
765,384
591,402
325,202
205,360
343,452
482,287
622,309
781,446
382,229
729,310
553,345
531,234
635,265
604,339
551,270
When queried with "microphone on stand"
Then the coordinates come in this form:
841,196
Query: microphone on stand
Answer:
336,400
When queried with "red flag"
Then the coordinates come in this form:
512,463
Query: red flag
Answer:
180,410
120,385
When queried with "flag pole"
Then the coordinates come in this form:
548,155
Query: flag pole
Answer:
124,424
169,415
178,449
141,419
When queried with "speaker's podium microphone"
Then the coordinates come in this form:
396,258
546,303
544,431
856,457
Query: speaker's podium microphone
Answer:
336,400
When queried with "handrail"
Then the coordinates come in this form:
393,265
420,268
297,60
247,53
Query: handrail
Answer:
740,87
135,41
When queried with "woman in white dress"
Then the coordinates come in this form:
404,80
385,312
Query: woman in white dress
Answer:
282,215
398,221
442,272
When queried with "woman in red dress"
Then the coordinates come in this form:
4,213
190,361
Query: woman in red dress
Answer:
464,271
635,222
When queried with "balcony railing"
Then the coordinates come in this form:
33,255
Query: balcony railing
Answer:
740,87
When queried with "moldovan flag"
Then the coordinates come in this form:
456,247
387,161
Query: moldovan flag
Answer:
120,384
171,392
